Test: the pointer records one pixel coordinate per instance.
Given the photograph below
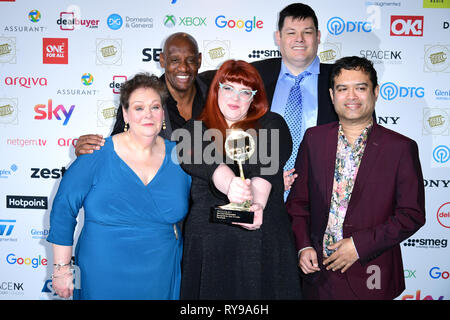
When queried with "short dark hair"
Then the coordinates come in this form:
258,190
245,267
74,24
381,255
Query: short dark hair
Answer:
298,11
140,80
354,63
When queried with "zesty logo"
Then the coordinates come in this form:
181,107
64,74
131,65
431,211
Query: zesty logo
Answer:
55,50
407,26
46,173
43,114
26,82
68,21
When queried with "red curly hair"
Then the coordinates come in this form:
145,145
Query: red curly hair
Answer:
238,71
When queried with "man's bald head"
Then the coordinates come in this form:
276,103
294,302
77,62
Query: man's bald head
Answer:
181,60
180,36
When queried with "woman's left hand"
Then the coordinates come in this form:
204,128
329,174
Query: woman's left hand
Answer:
289,177
257,219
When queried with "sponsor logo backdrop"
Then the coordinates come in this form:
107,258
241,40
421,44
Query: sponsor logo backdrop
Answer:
62,66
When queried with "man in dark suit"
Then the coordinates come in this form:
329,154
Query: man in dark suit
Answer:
298,37
181,61
359,194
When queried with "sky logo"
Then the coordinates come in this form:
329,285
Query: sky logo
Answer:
43,114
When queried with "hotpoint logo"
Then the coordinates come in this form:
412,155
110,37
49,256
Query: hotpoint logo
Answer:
390,91
337,26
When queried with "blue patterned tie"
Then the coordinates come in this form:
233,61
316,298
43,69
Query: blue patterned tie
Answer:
293,114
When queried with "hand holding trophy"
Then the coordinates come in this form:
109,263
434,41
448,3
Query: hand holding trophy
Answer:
239,146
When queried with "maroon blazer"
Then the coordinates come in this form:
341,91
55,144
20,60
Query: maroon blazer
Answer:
386,207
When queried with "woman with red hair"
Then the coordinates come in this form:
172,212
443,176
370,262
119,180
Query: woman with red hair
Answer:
238,261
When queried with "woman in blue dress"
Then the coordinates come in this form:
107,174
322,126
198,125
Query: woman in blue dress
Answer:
133,195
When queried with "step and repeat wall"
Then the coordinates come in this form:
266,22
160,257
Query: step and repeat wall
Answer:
62,64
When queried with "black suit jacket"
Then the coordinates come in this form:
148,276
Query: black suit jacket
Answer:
269,69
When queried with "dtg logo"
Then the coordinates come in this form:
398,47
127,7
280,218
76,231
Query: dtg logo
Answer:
337,26
390,91
53,112
441,154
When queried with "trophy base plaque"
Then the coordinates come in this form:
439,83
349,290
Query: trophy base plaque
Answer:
230,213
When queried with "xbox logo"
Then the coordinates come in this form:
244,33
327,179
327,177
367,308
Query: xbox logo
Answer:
170,21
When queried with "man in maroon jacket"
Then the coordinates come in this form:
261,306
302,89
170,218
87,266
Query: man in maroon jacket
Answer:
358,195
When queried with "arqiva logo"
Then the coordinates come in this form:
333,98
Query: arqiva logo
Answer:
50,112
55,50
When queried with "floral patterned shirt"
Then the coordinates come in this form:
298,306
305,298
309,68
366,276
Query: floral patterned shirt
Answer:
348,158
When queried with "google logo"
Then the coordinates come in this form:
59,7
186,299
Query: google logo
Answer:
436,274
249,25
34,262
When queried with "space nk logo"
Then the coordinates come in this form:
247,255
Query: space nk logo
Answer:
337,26
407,26
47,112
390,91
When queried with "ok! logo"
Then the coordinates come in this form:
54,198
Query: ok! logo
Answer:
47,112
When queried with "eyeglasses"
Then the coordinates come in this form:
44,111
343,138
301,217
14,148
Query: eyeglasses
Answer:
229,92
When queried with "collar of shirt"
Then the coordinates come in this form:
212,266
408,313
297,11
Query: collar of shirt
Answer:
309,89
313,68
359,142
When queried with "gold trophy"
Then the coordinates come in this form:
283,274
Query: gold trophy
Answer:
239,146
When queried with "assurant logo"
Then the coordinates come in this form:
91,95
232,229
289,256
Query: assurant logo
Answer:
87,79
34,16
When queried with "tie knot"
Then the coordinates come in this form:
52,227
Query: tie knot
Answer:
300,77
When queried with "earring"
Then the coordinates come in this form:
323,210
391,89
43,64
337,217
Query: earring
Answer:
125,128
164,124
